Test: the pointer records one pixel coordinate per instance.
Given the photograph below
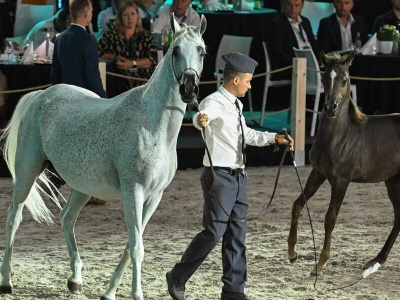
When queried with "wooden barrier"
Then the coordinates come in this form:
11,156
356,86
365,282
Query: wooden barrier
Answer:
298,108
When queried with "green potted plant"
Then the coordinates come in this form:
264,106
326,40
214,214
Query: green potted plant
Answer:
386,35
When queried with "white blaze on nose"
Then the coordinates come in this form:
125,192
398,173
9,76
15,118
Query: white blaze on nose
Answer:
333,75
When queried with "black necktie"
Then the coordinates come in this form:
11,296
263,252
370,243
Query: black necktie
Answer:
301,33
241,128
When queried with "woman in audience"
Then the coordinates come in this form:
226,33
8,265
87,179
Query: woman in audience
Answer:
129,46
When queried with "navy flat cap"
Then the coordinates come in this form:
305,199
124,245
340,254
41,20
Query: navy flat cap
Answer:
239,63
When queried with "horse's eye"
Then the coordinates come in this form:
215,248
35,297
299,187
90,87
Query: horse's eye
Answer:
176,51
201,51
344,80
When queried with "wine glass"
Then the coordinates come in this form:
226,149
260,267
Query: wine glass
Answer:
8,49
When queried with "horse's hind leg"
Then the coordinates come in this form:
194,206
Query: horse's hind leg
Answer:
393,188
314,181
23,183
68,218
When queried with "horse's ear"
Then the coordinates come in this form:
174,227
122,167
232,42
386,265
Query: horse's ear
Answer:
349,58
322,57
202,26
174,24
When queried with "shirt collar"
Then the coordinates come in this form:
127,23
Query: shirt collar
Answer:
299,20
351,19
227,94
79,26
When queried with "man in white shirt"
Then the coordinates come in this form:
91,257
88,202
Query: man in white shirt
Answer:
104,17
55,25
224,185
183,14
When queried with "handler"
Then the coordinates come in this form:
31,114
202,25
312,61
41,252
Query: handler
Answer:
224,191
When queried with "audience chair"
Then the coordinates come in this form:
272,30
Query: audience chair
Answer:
314,85
232,43
269,83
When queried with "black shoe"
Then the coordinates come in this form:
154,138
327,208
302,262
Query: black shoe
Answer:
233,296
175,289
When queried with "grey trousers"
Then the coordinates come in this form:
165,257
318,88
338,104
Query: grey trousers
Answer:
226,197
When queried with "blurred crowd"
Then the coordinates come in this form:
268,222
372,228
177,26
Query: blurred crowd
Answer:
130,32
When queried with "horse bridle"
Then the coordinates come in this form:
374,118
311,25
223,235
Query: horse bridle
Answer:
179,79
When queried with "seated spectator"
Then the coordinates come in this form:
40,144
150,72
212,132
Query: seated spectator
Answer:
55,25
183,14
286,31
105,15
129,46
392,17
341,29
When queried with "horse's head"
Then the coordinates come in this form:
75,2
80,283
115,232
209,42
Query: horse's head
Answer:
336,81
188,51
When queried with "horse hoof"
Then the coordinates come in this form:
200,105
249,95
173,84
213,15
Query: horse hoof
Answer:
74,287
293,260
106,298
5,289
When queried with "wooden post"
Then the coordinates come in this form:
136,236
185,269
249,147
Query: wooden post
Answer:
298,108
102,69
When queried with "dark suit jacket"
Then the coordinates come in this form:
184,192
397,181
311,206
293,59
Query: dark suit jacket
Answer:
388,18
280,42
75,60
329,37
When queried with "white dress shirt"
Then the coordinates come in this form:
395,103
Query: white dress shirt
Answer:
102,19
223,134
191,17
300,33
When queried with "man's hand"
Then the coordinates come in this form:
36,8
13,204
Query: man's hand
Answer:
281,139
202,120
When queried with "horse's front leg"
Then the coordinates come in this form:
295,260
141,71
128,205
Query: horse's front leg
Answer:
68,218
148,210
314,181
338,191
134,198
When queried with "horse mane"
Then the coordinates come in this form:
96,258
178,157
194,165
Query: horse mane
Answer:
355,113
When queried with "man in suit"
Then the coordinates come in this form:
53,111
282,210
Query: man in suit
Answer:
392,17
76,62
75,58
286,31
342,29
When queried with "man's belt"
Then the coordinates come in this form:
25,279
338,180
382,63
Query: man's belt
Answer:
230,171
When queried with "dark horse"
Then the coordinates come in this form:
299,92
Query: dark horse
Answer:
349,147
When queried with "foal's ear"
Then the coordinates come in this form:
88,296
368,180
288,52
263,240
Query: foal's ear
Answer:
202,26
349,58
174,24
322,57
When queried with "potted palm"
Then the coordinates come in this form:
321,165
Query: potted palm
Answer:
386,35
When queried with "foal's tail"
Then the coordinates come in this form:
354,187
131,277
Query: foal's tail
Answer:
34,201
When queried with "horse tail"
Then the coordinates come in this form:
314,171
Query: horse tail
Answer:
34,201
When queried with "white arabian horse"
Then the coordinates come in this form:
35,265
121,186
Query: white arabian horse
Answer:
120,148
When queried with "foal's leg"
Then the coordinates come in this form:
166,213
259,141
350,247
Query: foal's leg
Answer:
338,191
393,188
314,181
68,218
116,278
25,177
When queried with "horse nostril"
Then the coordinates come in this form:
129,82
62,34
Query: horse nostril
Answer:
196,90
